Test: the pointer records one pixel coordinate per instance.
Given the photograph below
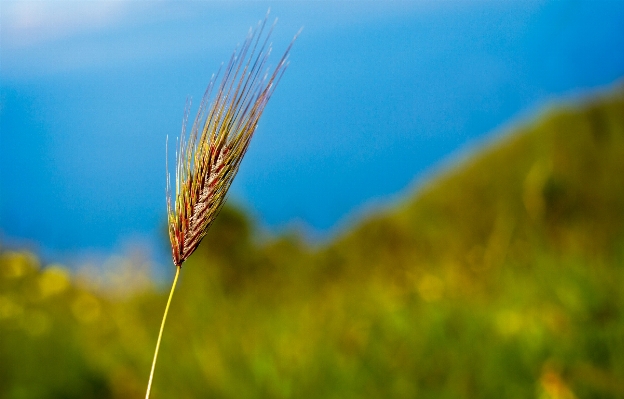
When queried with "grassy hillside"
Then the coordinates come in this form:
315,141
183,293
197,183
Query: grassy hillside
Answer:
501,278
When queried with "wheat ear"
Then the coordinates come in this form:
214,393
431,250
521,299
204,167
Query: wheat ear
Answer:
208,159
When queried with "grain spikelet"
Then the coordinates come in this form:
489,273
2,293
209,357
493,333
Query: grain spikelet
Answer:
209,158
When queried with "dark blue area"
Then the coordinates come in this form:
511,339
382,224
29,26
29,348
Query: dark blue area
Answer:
372,100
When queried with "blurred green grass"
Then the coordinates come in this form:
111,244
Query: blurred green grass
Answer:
501,278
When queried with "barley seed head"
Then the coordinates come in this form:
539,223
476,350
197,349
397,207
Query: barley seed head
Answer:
209,156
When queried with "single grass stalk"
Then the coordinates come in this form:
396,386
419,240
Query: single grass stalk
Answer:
208,159
162,327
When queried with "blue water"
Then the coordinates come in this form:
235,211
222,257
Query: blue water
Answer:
375,96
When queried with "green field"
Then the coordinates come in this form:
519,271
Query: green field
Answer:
501,277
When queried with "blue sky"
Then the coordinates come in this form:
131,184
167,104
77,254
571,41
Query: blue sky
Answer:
376,96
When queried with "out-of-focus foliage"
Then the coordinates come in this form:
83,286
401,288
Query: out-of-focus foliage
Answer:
502,278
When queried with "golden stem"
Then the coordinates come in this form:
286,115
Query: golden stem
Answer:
162,326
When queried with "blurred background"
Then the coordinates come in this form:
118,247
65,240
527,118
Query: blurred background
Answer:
432,205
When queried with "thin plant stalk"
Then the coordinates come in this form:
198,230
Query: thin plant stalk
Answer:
162,327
